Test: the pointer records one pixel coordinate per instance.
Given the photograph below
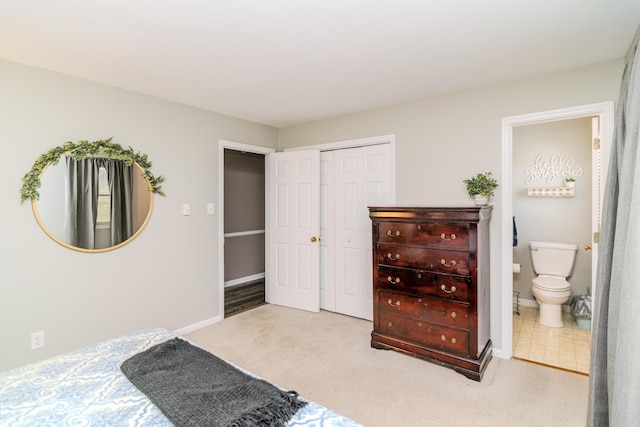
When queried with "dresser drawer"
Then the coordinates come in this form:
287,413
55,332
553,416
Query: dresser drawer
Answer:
449,313
452,262
423,283
424,333
450,236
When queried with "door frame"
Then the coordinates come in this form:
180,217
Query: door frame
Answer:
602,109
237,146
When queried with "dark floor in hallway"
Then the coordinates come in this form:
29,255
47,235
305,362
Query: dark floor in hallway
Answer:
239,298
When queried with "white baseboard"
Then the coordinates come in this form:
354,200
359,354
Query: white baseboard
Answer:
245,279
198,325
216,319
498,353
534,303
529,302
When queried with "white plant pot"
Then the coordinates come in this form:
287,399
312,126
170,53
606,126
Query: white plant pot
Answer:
570,184
480,199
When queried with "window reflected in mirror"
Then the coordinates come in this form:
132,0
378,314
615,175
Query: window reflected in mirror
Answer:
103,216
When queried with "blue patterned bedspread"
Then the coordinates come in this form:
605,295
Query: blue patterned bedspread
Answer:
87,388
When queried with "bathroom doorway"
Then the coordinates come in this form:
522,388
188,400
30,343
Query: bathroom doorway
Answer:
546,153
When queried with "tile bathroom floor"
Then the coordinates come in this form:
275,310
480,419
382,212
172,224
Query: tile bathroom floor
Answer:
566,348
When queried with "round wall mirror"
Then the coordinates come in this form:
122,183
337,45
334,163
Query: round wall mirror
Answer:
91,197
52,212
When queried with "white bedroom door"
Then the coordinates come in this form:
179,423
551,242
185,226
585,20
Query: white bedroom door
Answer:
294,229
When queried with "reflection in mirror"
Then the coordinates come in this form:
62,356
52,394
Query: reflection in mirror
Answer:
93,204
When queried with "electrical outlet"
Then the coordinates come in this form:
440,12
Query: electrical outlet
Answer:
37,340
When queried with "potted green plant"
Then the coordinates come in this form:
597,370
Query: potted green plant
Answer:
570,182
481,187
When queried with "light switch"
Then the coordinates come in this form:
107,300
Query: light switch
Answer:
210,208
186,209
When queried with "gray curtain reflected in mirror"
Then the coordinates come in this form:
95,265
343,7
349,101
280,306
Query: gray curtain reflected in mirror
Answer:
93,204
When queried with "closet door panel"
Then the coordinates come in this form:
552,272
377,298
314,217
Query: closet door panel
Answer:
361,179
327,232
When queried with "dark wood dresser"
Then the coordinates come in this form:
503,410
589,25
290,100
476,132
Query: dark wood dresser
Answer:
431,284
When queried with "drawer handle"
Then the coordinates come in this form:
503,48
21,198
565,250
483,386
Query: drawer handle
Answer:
444,262
454,315
393,282
392,234
444,338
452,236
444,288
390,256
390,302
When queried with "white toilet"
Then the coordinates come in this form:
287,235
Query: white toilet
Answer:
553,263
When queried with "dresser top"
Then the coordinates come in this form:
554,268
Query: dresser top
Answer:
461,213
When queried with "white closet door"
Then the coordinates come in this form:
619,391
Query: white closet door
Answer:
327,228
361,179
294,229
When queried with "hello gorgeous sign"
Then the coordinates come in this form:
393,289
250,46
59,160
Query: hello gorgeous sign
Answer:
557,165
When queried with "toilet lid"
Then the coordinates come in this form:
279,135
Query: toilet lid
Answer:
551,283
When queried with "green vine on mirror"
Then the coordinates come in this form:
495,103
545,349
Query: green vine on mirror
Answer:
81,150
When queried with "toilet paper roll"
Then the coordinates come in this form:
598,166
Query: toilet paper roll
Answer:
516,267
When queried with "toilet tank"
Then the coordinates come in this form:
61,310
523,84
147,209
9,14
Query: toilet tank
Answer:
553,258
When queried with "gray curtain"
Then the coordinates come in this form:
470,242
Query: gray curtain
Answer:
82,202
82,206
121,189
614,382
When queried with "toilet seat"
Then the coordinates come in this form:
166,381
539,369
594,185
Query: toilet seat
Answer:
552,284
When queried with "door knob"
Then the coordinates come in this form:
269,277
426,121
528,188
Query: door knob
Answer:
587,247
313,239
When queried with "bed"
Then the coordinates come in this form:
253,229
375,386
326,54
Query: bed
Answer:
88,388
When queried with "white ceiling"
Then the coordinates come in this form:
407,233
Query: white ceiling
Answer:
284,62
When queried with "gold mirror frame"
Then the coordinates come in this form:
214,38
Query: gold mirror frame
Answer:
101,148
36,214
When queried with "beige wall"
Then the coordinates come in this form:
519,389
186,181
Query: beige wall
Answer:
168,276
441,141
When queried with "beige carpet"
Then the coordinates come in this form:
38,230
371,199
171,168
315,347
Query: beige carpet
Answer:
327,358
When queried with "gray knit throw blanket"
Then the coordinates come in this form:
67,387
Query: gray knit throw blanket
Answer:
192,387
